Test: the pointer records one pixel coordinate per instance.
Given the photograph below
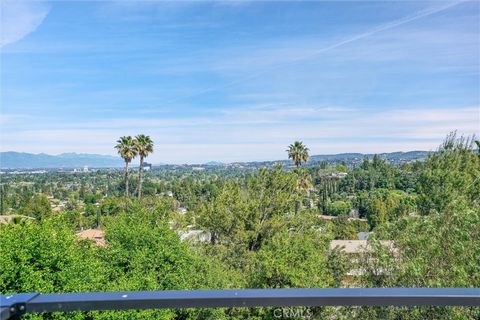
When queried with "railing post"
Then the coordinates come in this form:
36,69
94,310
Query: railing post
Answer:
12,306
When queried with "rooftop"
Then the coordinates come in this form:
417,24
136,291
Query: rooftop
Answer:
357,246
95,235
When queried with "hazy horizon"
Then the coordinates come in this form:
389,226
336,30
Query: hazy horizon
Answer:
204,162
238,81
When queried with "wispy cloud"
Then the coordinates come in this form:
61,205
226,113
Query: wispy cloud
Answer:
9,119
252,134
334,75
349,39
20,18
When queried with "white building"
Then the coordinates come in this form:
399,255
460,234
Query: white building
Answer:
147,166
182,210
195,236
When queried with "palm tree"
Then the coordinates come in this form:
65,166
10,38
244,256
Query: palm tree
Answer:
126,149
143,146
298,152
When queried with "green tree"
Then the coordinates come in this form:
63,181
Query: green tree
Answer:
298,152
111,206
38,206
224,216
145,253
451,177
383,205
377,213
271,199
143,147
45,257
338,208
438,250
292,260
126,148
338,263
303,186
249,215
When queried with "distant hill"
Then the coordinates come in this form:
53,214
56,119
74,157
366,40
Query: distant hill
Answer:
214,164
350,159
22,160
390,157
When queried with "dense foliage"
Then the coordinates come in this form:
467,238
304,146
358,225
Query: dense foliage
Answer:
267,228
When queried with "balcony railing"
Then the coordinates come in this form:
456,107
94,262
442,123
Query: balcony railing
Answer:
17,304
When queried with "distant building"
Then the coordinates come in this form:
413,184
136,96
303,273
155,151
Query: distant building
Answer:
338,175
327,217
354,213
182,210
363,235
195,236
95,235
358,246
85,169
355,249
147,166
357,219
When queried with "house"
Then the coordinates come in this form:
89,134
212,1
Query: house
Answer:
325,217
339,174
147,166
195,236
182,210
95,235
363,235
357,246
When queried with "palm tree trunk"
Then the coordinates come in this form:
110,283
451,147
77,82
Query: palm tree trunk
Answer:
140,179
126,179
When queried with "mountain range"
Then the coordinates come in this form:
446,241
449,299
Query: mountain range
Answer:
22,160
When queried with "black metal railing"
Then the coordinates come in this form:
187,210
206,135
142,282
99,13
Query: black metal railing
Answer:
17,304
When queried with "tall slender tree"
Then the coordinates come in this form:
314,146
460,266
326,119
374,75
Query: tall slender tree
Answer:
298,152
303,186
126,149
143,146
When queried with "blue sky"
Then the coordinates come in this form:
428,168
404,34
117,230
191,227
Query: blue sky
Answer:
238,80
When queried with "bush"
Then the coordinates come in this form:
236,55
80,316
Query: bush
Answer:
338,208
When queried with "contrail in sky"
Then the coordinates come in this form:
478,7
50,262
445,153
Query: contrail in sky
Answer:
389,25
383,27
